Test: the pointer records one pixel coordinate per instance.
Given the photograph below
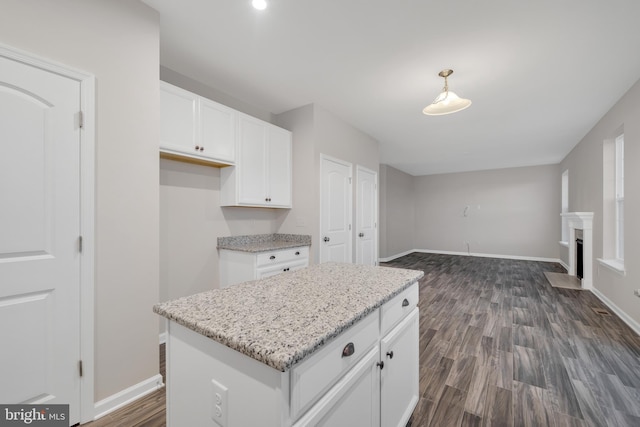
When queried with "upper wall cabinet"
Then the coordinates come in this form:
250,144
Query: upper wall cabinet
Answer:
262,175
195,128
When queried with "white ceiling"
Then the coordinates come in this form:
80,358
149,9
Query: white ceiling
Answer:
540,73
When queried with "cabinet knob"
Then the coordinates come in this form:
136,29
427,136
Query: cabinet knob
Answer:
286,269
201,148
197,147
405,302
297,252
390,354
348,350
380,364
272,257
326,239
361,235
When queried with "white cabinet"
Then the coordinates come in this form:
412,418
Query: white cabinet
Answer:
262,175
354,401
196,128
238,266
362,377
399,377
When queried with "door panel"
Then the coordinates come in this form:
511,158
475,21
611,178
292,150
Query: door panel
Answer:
399,378
39,230
366,216
335,210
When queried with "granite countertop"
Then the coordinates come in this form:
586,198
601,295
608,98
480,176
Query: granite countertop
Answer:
283,319
263,242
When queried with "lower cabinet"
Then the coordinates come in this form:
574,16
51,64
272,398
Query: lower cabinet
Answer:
238,266
366,376
398,379
354,401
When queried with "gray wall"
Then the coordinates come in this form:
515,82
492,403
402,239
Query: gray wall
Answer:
317,131
509,212
397,212
585,165
118,42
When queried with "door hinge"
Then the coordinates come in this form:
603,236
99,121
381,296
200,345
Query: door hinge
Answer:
80,244
80,367
80,119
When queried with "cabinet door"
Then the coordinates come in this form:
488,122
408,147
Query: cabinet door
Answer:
178,110
218,130
251,164
399,378
354,401
279,166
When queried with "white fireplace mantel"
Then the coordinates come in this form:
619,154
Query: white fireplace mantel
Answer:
581,221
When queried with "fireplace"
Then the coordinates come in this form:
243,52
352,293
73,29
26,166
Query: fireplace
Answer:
579,243
581,228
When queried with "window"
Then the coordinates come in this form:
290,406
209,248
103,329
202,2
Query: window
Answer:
565,205
613,204
619,198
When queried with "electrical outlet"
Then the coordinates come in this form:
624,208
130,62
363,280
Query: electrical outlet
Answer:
637,292
219,404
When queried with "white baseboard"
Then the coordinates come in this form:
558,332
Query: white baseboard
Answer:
163,338
482,255
618,311
128,395
392,257
563,264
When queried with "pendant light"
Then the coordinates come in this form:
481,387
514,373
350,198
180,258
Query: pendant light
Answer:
447,102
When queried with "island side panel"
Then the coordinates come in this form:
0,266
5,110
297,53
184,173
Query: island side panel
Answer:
257,395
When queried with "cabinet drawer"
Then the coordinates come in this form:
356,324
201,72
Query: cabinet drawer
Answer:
396,309
314,376
273,270
283,255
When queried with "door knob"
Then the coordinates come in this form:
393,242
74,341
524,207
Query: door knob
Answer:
361,234
326,239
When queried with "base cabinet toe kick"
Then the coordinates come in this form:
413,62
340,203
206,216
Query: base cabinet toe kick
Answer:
365,376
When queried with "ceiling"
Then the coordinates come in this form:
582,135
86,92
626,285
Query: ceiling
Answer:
540,73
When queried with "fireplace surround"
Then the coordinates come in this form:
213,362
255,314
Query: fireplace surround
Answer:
583,223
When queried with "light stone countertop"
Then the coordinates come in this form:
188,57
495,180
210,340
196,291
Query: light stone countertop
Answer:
263,242
283,319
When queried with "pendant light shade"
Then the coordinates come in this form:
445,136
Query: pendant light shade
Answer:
447,102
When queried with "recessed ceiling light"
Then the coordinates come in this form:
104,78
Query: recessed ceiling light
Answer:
259,4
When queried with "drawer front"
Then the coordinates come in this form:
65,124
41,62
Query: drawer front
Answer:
398,308
273,270
283,255
311,378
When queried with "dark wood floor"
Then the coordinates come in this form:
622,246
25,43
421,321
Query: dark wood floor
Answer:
500,347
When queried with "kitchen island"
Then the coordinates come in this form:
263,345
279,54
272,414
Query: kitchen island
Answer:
333,344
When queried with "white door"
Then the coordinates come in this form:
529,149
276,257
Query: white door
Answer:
39,231
335,210
366,216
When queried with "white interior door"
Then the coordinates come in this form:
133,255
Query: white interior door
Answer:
39,232
335,210
366,216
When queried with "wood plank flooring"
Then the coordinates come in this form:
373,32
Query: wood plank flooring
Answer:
500,347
